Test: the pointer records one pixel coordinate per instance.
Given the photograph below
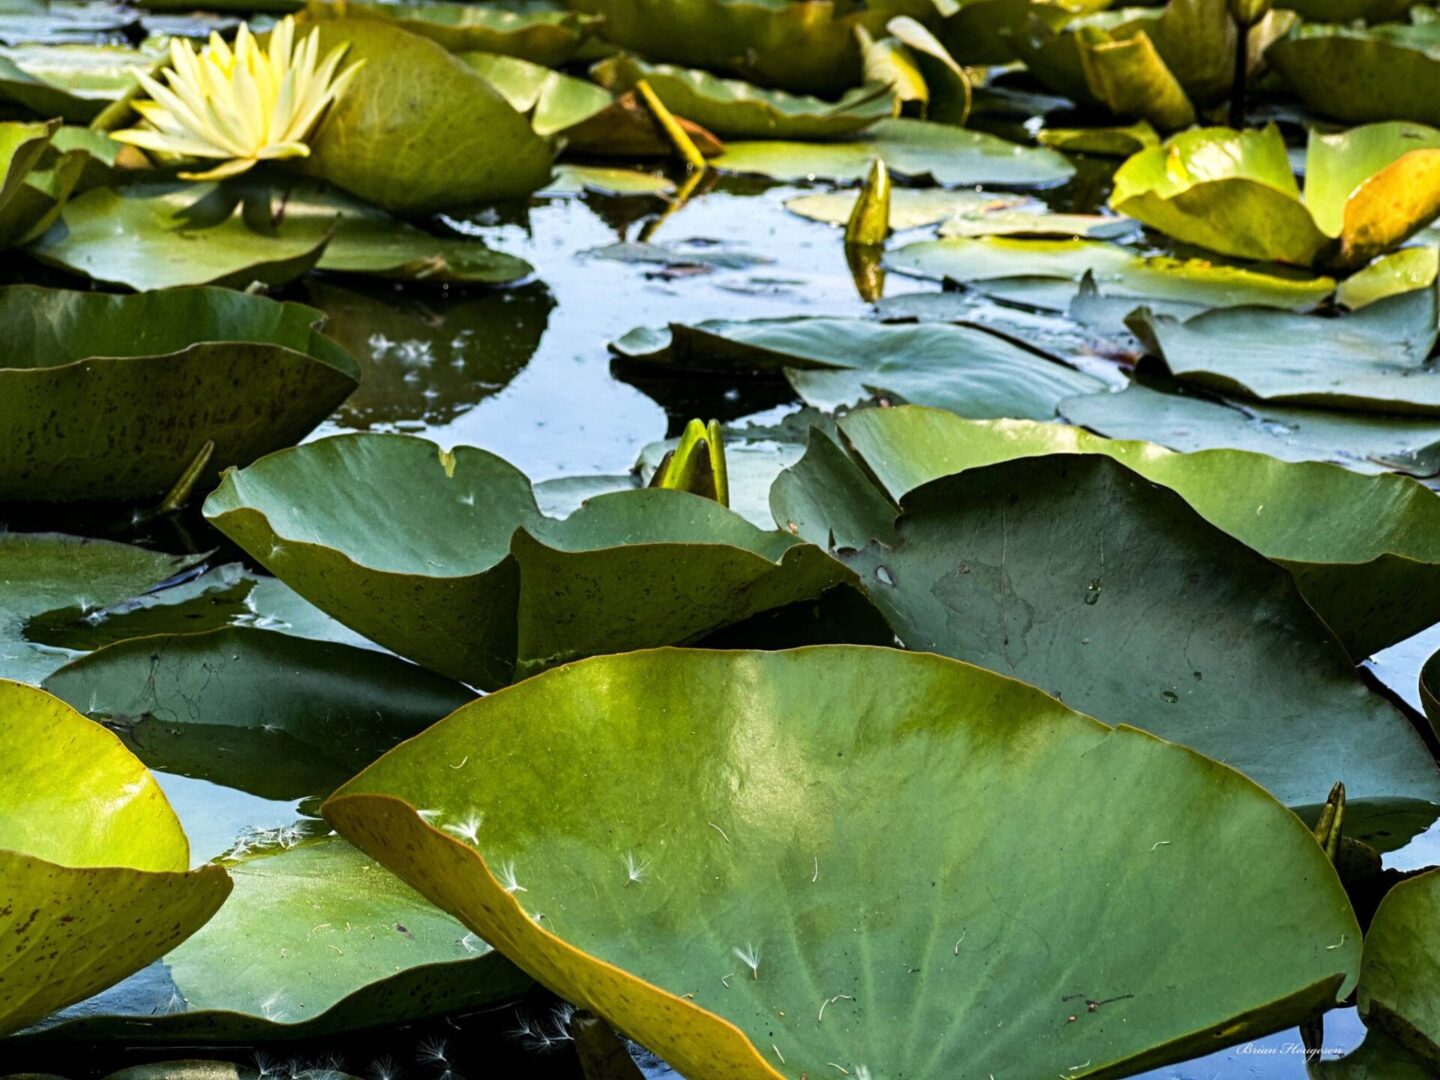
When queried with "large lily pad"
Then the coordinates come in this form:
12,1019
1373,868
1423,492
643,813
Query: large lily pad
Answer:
474,582
1182,421
1076,574
1366,191
1389,72
94,865
278,716
737,110
1372,360
804,48
43,572
837,362
419,130
893,930
540,32
74,82
80,371
1365,551
917,149
316,938
1399,990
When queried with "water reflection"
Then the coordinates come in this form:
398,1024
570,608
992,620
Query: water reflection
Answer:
428,356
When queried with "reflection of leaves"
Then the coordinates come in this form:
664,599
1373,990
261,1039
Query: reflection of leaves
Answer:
428,359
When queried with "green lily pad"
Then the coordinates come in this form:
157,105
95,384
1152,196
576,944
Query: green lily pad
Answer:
1362,442
95,864
32,205
1366,190
23,205
42,572
736,110
80,371
963,213
419,130
1371,360
146,236
73,81
1379,1057
1078,575
1362,549
837,362
158,236
1105,141
316,939
542,33
851,919
803,48
1389,72
1009,267
552,101
1400,271
278,716
917,149
475,582
1399,990
571,179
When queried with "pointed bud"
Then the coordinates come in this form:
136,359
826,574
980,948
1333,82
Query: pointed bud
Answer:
697,464
869,222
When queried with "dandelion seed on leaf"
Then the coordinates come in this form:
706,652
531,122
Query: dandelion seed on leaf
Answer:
239,105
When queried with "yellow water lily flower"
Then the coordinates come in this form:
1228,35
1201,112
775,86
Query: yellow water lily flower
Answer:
240,105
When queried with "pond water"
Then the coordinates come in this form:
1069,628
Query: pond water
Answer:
525,372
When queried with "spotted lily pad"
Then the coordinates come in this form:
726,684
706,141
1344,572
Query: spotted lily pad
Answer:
94,863
842,907
736,110
917,149
474,582
835,362
1342,536
79,372
1078,575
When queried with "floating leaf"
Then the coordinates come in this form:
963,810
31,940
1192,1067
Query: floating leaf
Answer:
74,82
736,110
552,101
475,583
1399,990
1004,266
1359,74
79,403
1178,628
538,32
571,179
1371,571
1364,443
95,865
1372,360
834,894
1106,141
808,48
278,716
963,213
1366,190
46,571
835,362
945,154
1398,272
316,939
418,130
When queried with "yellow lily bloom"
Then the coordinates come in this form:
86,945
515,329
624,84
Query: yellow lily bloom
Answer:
240,105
